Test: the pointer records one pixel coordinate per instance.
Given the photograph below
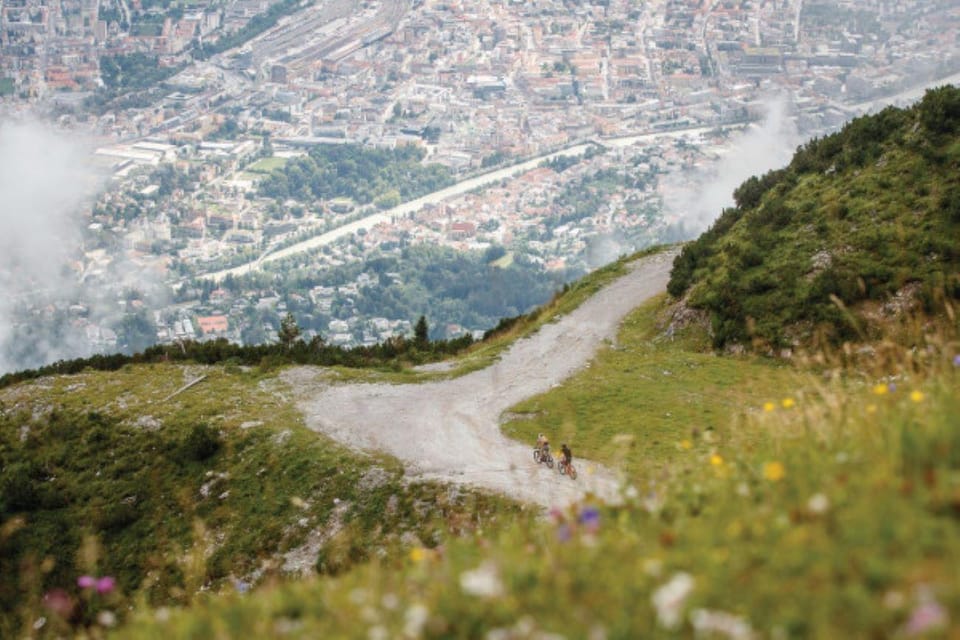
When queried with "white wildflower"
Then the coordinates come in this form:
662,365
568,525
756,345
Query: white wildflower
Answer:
706,622
415,618
818,504
669,599
106,618
484,581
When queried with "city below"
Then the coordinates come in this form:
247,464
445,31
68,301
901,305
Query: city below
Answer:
358,164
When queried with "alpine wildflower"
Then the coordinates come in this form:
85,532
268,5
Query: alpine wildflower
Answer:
589,519
716,460
773,471
670,599
880,389
769,406
788,403
86,582
484,581
916,395
106,584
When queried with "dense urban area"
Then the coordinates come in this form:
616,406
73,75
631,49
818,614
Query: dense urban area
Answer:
359,164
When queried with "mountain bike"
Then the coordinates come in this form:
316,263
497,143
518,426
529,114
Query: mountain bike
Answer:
567,469
543,455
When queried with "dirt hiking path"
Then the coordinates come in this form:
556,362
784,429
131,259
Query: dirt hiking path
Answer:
449,430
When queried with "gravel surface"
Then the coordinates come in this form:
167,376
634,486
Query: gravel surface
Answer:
449,430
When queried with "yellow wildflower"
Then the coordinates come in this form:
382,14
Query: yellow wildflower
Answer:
880,389
418,554
686,444
916,395
788,402
769,406
871,408
716,460
773,471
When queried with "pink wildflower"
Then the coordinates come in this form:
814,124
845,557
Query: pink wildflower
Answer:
86,582
106,584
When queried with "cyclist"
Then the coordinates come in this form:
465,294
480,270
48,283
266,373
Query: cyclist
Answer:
567,455
543,445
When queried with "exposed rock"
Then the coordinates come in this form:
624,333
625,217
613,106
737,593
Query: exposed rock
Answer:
373,478
148,422
683,316
303,559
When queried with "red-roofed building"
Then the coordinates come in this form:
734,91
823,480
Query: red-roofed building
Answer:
213,324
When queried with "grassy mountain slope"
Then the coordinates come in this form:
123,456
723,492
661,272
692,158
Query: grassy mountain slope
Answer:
814,250
101,474
784,503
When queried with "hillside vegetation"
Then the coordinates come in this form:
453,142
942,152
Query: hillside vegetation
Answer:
105,474
858,225
781,503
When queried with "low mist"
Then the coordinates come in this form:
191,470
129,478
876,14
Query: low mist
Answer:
694,199
43,179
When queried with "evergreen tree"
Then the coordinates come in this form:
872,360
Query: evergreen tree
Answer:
421,332
289,331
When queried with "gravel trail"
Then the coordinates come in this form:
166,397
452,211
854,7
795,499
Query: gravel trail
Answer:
449,430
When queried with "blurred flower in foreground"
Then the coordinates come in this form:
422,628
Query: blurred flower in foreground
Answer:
484,581
818,504
103,585
788,403
414,620
880,389
956,360
106,618
716,459
916,395
928,615
106,584
417,554
769,406
670,598
589,519
59,602
773,471
706,622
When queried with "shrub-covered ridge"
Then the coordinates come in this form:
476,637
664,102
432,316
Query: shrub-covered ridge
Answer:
857,217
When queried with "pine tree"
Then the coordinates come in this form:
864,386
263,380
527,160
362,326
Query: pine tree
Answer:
421,332
289,331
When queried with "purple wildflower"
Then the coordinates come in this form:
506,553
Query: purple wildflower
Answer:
564,532
86,582
106,584
590,519
956,360
241,586
892,386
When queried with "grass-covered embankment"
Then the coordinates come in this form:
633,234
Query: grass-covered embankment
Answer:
106,474
821,502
